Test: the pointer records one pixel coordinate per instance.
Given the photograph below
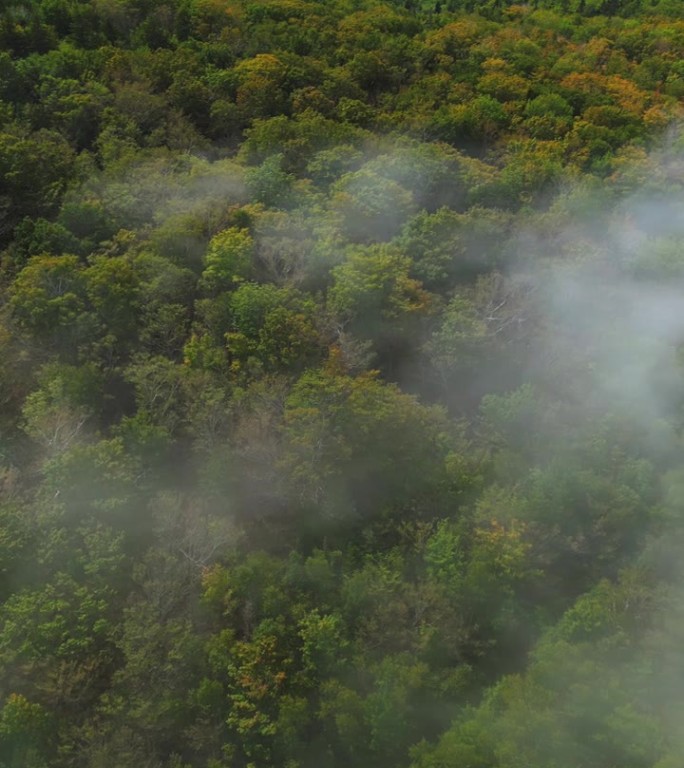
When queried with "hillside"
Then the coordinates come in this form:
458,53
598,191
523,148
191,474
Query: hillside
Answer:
342,384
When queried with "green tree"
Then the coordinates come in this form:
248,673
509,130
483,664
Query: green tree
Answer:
272,326
35,169
348,448
372,208
48,300
229,259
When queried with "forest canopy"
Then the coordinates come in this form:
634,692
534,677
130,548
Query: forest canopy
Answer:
342,384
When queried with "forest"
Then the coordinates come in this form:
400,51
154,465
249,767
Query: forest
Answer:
341,384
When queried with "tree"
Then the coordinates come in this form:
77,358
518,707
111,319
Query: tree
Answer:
459,346
25,732
373,292
112,290
229,259
56,676
372,208
56,414
48,300
474,124
348,450
35,169
73,108
272,326
261,86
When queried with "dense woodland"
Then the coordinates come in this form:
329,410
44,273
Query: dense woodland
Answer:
341,384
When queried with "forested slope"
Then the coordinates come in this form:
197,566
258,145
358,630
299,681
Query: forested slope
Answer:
341,384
